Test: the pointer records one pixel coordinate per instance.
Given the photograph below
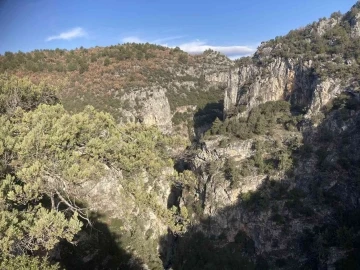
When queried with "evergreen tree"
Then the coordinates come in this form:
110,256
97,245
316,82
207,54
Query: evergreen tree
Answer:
216,126
106,61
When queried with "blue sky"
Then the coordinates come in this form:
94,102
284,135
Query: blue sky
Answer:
234,27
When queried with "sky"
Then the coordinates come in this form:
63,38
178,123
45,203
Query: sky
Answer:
233,27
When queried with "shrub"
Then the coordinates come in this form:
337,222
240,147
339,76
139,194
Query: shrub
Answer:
261,120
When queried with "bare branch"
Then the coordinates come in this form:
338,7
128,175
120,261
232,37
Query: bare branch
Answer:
74,208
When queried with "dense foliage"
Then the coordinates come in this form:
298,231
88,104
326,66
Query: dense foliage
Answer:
48,156
261,120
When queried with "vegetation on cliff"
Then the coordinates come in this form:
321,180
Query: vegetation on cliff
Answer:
332,44
47,158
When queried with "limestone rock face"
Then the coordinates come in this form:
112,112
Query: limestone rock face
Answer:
292,79
114,197
151,107
119,203
325,25
323,93
216,193
212,152
156,111
281,79
355,26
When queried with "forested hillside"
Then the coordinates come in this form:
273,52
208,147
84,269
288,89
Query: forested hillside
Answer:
113,78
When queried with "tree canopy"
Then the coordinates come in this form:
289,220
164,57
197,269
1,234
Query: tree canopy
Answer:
46,157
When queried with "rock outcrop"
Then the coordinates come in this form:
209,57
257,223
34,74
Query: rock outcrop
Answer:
355,26
281,79
281,70
149,106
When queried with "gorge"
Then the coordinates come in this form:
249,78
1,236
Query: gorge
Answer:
139,156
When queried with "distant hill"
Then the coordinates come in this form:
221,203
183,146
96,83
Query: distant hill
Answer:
101,76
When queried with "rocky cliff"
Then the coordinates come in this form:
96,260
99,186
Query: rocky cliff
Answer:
286,197
279,71
148,106
281,79
290,216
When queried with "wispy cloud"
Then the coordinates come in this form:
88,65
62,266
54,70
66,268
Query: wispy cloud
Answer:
70,34
196,46
166,39
160,41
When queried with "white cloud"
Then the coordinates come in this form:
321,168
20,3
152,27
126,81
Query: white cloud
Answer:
166,39
197,46
237,56
71,34
135,39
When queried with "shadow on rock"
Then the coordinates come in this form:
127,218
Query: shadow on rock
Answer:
204,117
308,219
97,247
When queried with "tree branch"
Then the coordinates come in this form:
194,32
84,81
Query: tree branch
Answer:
74,208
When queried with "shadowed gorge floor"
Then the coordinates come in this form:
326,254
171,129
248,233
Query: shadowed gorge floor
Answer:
99,247
305,216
